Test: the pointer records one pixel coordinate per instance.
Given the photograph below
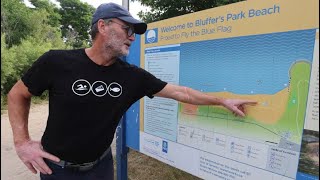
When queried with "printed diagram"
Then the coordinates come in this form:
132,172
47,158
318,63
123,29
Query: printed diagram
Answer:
199,137
276,117
278,82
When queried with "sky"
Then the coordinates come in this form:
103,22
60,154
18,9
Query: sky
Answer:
134,7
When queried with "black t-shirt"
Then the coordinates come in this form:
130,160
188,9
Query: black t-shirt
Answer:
86,100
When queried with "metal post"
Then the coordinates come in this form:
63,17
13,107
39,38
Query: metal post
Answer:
122,150
125,4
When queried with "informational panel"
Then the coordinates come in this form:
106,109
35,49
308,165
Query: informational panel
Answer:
309,157
267,51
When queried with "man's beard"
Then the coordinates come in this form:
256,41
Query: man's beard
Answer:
116,46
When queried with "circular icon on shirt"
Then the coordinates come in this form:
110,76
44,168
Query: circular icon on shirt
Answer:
115,90
81,87
99,88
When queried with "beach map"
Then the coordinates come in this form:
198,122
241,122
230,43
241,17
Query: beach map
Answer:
273,69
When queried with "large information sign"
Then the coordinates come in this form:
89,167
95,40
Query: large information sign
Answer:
267,51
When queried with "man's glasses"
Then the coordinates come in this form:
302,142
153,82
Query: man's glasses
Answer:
129,29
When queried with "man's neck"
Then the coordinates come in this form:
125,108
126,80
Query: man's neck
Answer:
100,56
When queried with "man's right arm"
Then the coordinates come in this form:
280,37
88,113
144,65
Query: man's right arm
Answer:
19,99
30,152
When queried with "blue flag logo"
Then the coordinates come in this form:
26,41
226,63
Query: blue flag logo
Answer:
151,36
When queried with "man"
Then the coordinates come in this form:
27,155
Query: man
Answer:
89,91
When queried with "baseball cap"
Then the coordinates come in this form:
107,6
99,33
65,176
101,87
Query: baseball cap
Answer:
112,10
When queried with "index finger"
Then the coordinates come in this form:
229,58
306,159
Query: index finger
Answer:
249,102
50,156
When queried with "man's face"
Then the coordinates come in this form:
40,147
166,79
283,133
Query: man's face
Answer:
118,39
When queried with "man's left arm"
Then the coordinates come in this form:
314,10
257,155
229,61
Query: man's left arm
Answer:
191,96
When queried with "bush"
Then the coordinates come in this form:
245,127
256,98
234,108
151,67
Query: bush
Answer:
18,59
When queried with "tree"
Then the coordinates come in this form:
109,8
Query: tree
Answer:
76,22
164,9
25,35
42,31
53,11
15,17
7,67
19,22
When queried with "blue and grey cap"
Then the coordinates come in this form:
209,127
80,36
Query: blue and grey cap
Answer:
112,10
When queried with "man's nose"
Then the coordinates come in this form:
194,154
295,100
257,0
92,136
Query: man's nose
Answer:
132,38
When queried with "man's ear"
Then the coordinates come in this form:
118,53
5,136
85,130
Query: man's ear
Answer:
101,26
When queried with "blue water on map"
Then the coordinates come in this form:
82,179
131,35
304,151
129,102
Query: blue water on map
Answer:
256,64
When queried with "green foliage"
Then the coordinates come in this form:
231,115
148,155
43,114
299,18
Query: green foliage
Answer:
76,22
19,22
15,18
7,67
42,31
27,33
164,9
18,59
53,11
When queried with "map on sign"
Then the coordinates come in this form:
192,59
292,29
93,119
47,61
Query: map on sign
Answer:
273,69
269,69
